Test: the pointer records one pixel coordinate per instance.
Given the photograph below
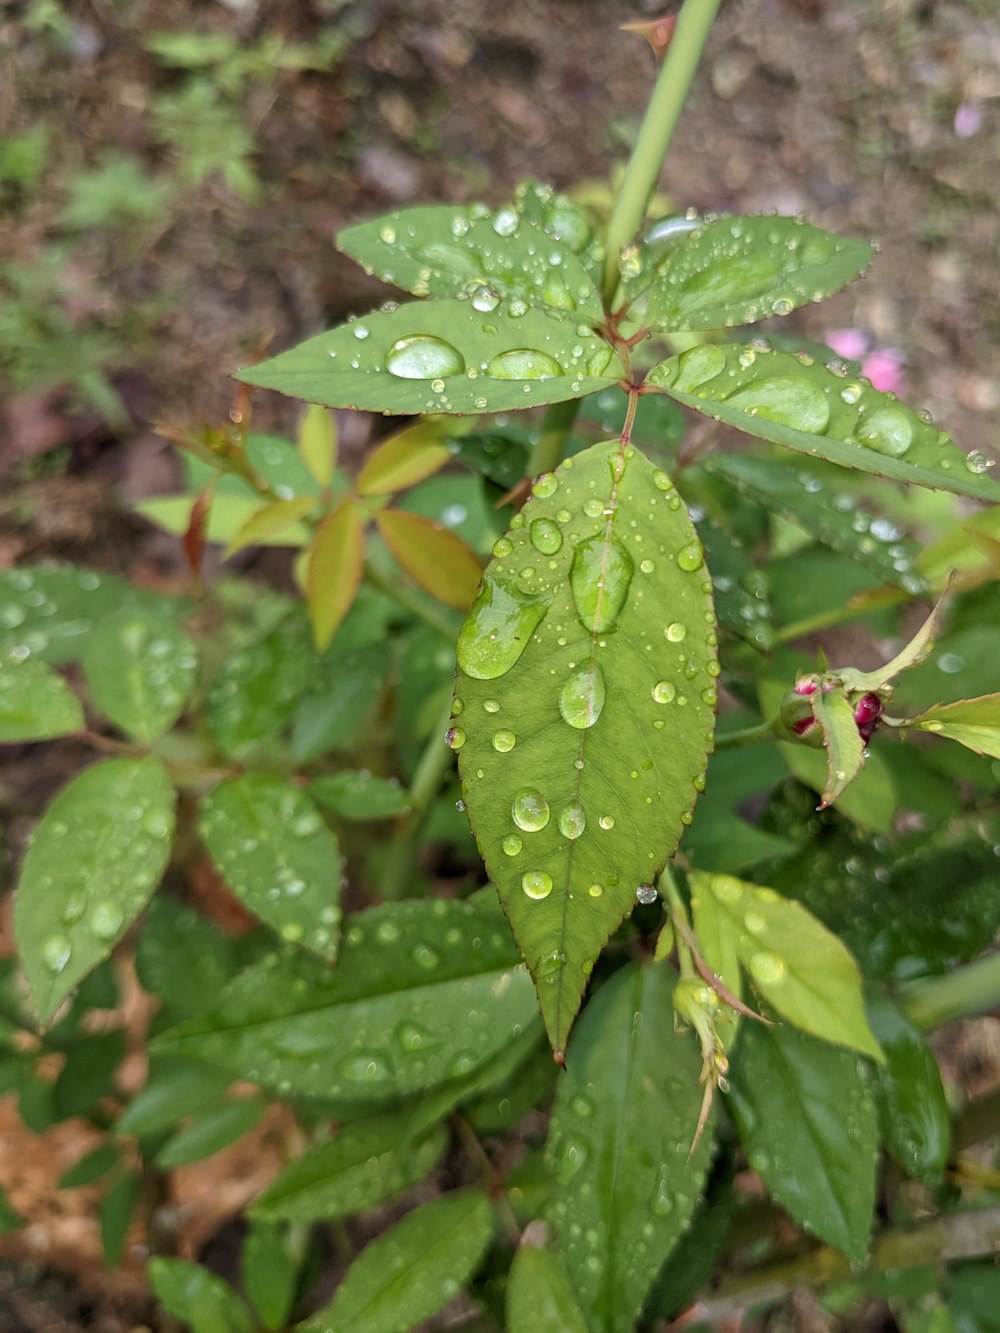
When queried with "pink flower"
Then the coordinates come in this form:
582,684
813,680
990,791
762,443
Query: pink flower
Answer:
883,367
849,343
968,119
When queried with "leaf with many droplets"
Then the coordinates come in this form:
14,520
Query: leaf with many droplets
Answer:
972,722
540,1298
95,858
140,667
270,845
630,1080
317,441
444,356
412,1270
807,1119
423,993
800,968
845,749
585,707
254,696
333,576
738,270
35,702
436,560
410,456
561,220
834,520
816,410
469,252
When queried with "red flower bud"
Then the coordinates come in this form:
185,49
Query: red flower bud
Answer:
867,712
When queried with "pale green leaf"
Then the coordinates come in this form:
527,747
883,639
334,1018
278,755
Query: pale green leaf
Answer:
796,402
540,1298
436,560
202,1300
35,702
334,572
269,520
360,795
410,456
227,518
972,722
625,1178
918,648
585,708
317,440
140,667
444,357
95,858
845,750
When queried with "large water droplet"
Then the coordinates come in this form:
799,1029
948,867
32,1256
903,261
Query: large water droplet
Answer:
599,577
888,430
536,884
767,968
646,894
504,740
56,952
497,630
523,363
572,820
727,889
423,357
698,366
690,559
106,919
530,810
582,697
675,631
546,536
454,738
663,692
788,400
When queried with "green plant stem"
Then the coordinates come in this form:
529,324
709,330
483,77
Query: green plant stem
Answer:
443,621
435,763
682,925
765,731
657,130
972,989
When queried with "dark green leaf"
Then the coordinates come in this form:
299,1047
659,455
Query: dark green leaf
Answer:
360,795
10,1218
689,1265
92,1166
270,1274
626,1110
808,1122
210,1131
539,1296
140,667
35,1103
412,1270
741,590
342,693
35,702
973,1292
115,1215
254,696
585,707
88,1073
174,1088
813,409
182,959
95,859
911,1101
201,1299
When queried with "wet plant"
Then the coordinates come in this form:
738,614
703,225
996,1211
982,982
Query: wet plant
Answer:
715,932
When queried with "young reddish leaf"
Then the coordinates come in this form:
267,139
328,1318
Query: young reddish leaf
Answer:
845,750
404,459
334,574
269,520
436,559
194,534
972,722
317,441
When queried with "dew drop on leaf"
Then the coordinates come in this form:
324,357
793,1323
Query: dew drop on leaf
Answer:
536,884
543,486
646,894
887,430
491,706
546,536
454,738
675,631
582,697
423,357
787,400
599,578
767,968
607,822
497,630
663,692
106,919
512,844
530,810
504,740
690,559
523,363
572,820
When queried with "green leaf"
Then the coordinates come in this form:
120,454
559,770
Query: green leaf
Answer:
255,694
833,519
845,750
418,359
437,560
270,1274
413,1002
211,1131
115,1216
10,1218
203,1301
736,270
540,1298
274,851
911,655
317,440
690,1264
449,251
912,1106
343,691
174,1088
334,572
88,1074
974,723
801,969
815,410
807,1120
140,668
412,1270
277,462
360,795
269,520
228,516
96,857
91,1167
585,708
407,457
35,702
740,589
620,1141
363,1163
183,959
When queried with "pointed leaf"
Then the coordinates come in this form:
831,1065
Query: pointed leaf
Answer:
807,1120
96,856
437,560
317,441
360,795
412,1003
174,1088
91,1167
35,702
404,459
269,520
449,251
421,358
800,968
540,1298
972,722
115,1214
229,515
335,562
195,533
201,1299
270,1273
587,696
625,1179
738,270
210,1131
271,846
140,668
913,1108
845,750
912,655
815,410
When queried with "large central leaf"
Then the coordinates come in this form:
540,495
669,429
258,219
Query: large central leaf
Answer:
585,707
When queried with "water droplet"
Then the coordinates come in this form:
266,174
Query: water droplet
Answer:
572,820
502,547
364,1067
423,357
595,890
75,907
523,363
593,507
530,810
497,630
512,844
485,299
675,632
888,430
690,559
573,1156
646,894
599,578
292,931
727,889
544,485
788,400
646,566
536,884
410,1037
607,822
663,692
545,536
454,738
504,740
582,697
491,706
755,922
978,463
106,919
767,968
425,957
505,222
56,952
663,1198
782,305
851,392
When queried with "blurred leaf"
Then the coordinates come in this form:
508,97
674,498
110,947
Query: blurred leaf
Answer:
88,1074
210,1131
35,702
540,1298
280,464
254,696
115,1214
270,1274
913,1109
410,456
203,1301
269,520
339,704
317,440
437,561
140,669
689,1265
116,191
91,1167
360,795
740,589
174,1088
335,563
183,959
972,722
228,516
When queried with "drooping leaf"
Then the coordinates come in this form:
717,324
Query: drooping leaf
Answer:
317,440
540,1298
845,749
412,1270
360,795
201,1299
808,1122
140,668
269,520
585,705
229,516
449,251
436,560
270,1273
418,358
254,696
411,1004
174,1088
972,722
911,655
35,702
210,1131
335,562
796,402
407,457
801,969
736,270
95,859
274,851
624,1120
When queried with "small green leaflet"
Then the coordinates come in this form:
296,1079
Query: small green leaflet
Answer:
210,1131
445,251
360,795
807,1120
227,518
800,968
619,1149
540,1298
95,858
444,356
269,1266
174,1088
140,667
198,1297
738,270
906,659
845,750
793,401
584,708
972,722
35,702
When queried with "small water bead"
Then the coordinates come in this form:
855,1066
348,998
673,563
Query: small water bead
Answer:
56,952
106,919
536,884
690,559
646,894
523,363
505,222
572,821
543,486
675,632
727,889
593,507
606,822
663,692
530,810
491,706
502,548
512,844
485,299
888,430
755,922
504,741
767,968
646,566
850,393
545,536
782,305
454,738
978,463
563,516
581,700
423,357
